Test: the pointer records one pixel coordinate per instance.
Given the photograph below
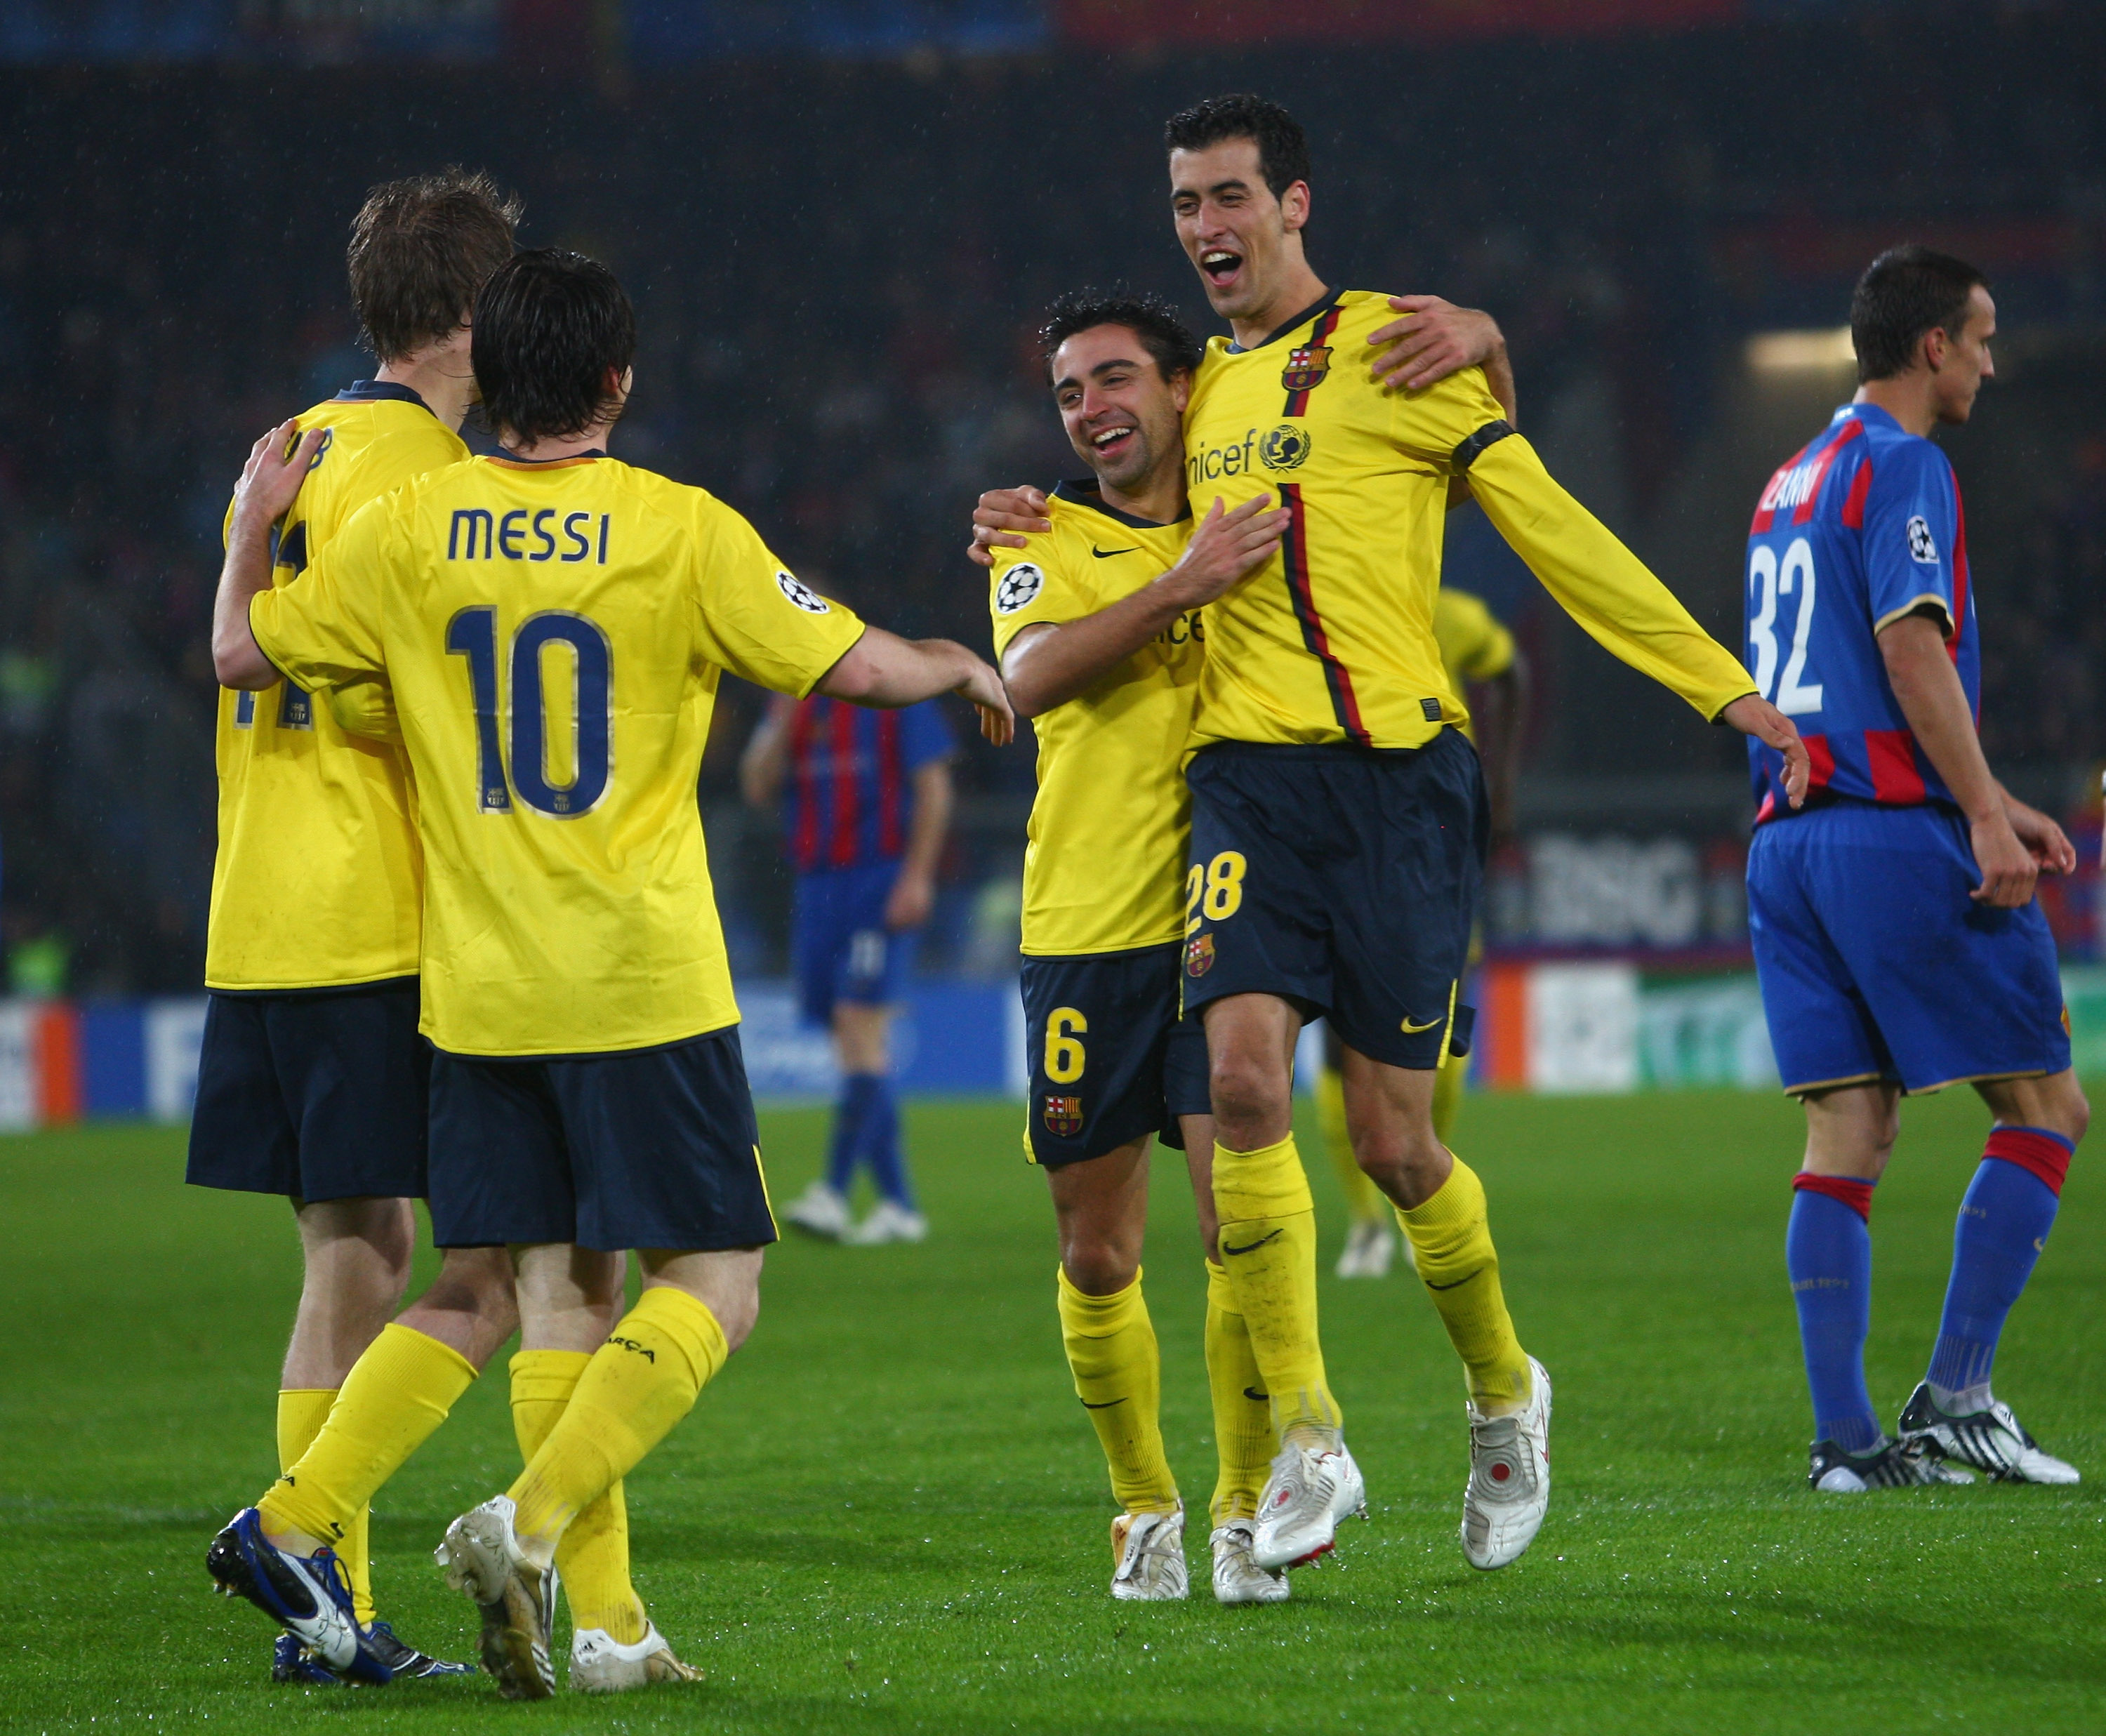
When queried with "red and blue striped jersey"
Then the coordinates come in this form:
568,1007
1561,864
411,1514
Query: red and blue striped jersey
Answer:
1861,527
851,782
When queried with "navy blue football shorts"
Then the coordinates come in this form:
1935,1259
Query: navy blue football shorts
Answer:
1111,1060
1876,964
637,1148
840,948
315,1094
1344,880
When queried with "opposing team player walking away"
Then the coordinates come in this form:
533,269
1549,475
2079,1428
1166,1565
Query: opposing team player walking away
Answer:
550,627
868,802
312,1082
1895,930
1338,817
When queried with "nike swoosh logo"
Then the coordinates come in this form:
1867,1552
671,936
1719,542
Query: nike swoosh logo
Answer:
1413,1030
1105,1405
1256,1397
1105,554
1431,1285
1250,1247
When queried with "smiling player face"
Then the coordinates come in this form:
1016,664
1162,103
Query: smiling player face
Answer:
1244,242
1123,417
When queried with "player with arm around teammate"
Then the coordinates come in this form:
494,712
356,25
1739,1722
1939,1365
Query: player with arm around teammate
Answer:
587,1091
1896,935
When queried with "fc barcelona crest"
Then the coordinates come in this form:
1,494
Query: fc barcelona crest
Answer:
1199,955
1306,367
1063,1116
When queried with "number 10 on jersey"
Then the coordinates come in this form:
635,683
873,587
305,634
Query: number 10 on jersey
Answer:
473,635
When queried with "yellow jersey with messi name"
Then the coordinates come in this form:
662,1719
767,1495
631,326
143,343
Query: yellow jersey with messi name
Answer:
319,881
1104,870
552,637
1474,645
1332,640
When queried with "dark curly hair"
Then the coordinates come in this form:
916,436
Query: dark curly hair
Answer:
1150,318
549,326
1283,147
420,248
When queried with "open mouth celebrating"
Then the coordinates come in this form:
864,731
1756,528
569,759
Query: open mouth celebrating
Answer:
1220,266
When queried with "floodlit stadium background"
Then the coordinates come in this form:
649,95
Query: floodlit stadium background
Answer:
838,223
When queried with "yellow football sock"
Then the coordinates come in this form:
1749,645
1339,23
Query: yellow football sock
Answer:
1244,1440
1111,1348
1363,1200
1452,1242
641,1381
302,1412
1448,1094
593,1558
1268,1245
395,1394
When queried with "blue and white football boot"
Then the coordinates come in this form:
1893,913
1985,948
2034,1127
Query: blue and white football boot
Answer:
308,1595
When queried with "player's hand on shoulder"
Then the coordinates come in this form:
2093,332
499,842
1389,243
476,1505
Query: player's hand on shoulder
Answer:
2007,867
2046,842
1229,546
1433,340
982,688
1753,714
1001,520
277,465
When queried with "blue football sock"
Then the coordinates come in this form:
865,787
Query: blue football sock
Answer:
1828,1251
2003,1225
852,1117
880,1148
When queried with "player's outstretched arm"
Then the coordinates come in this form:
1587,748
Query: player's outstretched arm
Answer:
883,670
270,483
1048,663
1928,689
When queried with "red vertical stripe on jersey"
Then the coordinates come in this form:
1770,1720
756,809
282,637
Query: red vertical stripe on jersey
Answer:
1821,771
1890,755
889,841
1960,583
804,846
846,816
1854,503
1294,550
1297,403
1802,514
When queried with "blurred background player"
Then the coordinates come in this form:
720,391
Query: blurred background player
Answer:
867,804
1486,669
312,1081
1898,942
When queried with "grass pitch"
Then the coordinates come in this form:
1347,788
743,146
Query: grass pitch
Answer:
890,1514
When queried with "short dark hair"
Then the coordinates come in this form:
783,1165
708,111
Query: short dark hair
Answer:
420,248
1150,318
1283,147
1905,291
549,326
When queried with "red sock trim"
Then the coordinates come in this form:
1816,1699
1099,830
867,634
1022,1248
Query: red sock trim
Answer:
1854,1193
2038,1153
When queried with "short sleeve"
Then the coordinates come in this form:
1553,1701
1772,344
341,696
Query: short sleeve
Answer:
758,620
323,631
924,737
1430,424
1033,584
1911,530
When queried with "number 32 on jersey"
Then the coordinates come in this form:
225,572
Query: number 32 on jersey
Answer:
1771,583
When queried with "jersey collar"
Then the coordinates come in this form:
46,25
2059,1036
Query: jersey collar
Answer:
512,461
1869,413
1329,299
378,391
1086,491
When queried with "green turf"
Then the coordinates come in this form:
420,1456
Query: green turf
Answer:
889,1515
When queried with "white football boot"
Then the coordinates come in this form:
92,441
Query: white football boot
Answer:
819,1211
1886,1464
601,1664
1509,1488
1370,1246
518,1600
1311,1489
1992,1440
1238,1578
889,1221
1149,1551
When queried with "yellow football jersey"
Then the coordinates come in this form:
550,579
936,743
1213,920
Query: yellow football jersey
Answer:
1333,640
552,636
319,881
1104,870
1474,645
